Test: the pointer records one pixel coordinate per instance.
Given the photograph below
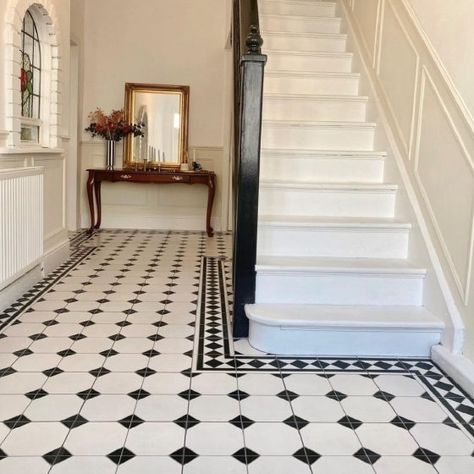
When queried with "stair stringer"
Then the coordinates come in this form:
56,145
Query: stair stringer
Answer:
438,296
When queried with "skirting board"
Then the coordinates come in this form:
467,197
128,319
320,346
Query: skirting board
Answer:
157,222
49,262
458,367
21,285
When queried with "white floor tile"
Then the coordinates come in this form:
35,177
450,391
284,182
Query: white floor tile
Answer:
155,439
330,439
214,439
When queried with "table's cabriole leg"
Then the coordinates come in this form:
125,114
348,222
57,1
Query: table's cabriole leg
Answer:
211,183
97,190
90,197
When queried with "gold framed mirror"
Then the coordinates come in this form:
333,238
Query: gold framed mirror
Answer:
164,111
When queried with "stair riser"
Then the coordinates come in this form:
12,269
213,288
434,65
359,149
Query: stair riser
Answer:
318,242
314,110
311,85
341,342
317,138
338,289
297,25
331,203
308,44
294,8
289,62
324,170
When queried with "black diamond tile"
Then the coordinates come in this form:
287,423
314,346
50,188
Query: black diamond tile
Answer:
52,372
402,422
367,456
131,421
311,455
108,353
3,455
77,337
88,394
57,455
187,421
334,395
116,337
66,353
145,372
151,353
183,455
245,455
87,323
74,421
95,311
17,421
23,352
7,371
189,394
426,455
123,324
99,372
61,311
139,394
36,394
384,396
296,422
350,422
120,456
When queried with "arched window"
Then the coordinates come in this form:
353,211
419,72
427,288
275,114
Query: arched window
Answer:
30,80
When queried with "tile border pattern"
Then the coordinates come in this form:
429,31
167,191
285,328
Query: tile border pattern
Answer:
214,351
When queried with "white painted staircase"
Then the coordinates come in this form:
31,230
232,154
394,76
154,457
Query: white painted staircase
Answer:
334,275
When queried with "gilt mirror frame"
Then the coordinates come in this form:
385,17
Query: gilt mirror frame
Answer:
131,89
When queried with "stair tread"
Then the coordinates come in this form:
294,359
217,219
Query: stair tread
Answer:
339,265
405,317
309,123
331,98
343,54
326,74
338,153
304,34
316,221
335,19
337,186
312,2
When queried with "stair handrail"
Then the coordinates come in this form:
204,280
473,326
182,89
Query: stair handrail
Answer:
249,65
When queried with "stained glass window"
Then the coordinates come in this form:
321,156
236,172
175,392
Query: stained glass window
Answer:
30,76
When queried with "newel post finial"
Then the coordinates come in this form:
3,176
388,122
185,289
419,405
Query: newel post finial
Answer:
254,41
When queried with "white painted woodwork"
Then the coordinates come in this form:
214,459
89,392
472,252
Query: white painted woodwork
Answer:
323,166
324,83
336,272
298,7
327,330
327,199
309,42
316,108
309,61
288,134
21,222
300,236
300,24
339,281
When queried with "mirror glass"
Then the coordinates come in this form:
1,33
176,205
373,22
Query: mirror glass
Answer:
163,110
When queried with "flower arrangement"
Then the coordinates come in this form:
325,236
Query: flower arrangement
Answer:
113,126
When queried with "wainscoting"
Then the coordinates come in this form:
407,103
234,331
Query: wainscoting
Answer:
433,138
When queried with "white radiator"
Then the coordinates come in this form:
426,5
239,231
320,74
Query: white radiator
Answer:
21,222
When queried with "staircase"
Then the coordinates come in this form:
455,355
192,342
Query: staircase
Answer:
334,271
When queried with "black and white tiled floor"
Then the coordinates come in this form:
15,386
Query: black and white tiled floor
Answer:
121,362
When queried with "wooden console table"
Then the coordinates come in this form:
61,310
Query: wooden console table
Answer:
97,175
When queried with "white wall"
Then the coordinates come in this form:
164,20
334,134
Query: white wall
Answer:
164,42
448,26
432,131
